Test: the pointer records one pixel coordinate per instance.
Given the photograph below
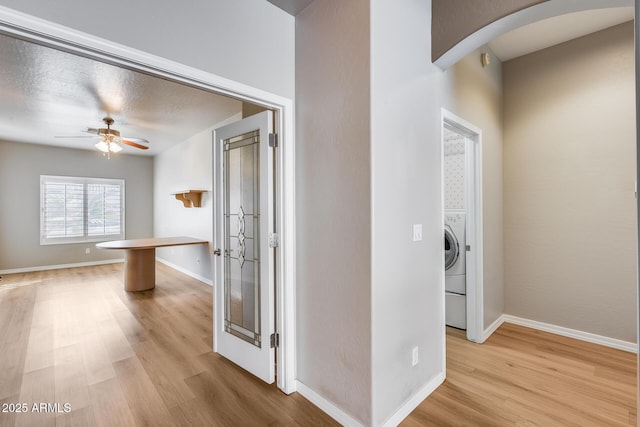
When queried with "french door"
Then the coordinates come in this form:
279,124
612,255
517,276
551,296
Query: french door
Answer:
243,234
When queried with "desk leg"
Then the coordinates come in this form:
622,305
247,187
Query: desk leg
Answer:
140,269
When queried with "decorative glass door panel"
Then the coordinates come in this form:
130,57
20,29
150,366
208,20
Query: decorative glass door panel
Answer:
242,234
243,177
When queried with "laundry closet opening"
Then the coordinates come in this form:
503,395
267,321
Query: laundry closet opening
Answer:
462,225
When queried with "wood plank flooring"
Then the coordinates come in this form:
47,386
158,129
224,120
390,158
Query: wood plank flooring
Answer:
126,359
524,377
144,359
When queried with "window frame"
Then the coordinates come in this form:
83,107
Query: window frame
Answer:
85,181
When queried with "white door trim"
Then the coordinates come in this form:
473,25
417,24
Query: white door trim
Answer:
50,34
474,258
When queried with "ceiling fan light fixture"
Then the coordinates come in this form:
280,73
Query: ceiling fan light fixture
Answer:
107,147
111,140
114,147
102,146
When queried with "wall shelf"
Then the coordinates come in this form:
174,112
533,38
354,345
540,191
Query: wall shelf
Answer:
190,198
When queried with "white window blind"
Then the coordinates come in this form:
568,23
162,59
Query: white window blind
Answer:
75,209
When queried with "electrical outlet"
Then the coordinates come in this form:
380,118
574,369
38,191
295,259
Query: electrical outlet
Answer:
414,357
87,251
417,232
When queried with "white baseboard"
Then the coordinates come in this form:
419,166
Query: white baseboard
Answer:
492,328
185,271
328,407
60,266
414,401
573,333
348,421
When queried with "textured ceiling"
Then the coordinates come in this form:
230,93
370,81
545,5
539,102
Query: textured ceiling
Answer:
48,93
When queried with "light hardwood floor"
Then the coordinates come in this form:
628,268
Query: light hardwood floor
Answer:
126,359
144,359
524,377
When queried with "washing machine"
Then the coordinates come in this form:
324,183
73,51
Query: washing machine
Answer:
455,269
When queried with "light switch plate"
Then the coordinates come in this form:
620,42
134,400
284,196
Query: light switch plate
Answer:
417,232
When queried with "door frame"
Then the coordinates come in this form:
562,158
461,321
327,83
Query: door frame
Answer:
474,236
46,33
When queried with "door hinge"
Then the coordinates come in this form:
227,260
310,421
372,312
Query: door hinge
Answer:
273,140
274,339
274,240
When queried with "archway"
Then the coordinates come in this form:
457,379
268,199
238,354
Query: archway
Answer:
474,31
469,36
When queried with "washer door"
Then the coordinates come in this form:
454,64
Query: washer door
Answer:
451,248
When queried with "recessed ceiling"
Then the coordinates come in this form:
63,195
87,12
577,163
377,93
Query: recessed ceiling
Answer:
550,32
48,93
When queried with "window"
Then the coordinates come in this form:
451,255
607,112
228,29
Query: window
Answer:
76,209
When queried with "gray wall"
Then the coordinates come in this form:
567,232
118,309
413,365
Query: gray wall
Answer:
368,168
474,93
333,204
20,168
569,171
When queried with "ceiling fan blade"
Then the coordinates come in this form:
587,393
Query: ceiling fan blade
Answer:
92,130
133,144
144,141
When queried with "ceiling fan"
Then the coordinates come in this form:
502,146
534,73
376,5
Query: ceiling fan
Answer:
110,139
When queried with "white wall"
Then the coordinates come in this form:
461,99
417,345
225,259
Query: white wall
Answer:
474,93
407,287
333,204
188,166
570,210
367,170
20,168
249,41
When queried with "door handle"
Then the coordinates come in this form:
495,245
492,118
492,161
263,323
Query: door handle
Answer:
217,252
